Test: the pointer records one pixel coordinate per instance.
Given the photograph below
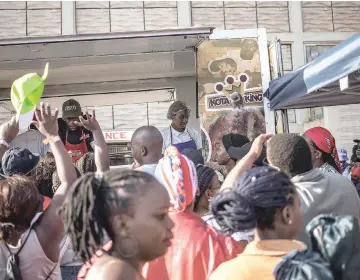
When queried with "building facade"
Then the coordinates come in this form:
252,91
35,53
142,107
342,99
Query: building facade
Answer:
306,29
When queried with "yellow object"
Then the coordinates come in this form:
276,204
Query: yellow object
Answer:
27,91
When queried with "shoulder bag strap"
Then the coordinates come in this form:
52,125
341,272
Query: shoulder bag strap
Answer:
22,245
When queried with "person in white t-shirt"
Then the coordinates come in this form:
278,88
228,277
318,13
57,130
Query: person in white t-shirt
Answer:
146,144
178,134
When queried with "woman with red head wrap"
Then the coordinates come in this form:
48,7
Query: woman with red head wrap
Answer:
323,149
197,249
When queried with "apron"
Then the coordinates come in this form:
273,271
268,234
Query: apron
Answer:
76,151
186,145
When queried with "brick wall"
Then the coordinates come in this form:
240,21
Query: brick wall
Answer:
36,18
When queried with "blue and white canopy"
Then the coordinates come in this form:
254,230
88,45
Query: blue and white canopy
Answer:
316,84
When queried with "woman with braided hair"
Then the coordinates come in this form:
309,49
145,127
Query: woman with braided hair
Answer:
197,249
263,199
208,183
131,208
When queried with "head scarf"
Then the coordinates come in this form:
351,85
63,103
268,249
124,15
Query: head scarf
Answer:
324,140
178,174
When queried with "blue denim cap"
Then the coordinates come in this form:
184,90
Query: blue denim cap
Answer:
18,161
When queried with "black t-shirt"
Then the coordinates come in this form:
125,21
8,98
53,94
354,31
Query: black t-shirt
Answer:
74,136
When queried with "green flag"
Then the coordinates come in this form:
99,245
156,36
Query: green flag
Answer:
27,91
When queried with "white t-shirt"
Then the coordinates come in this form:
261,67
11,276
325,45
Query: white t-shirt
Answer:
180,137
31,140
148,168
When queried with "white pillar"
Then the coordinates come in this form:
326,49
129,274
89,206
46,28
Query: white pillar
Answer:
68,18
184,13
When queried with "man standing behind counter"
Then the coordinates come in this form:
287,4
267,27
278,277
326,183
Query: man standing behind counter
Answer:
77,140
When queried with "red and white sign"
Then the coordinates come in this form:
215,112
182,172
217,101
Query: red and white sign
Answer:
118,136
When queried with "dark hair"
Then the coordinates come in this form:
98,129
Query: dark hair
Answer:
55,180
175,107
291,153
253,201
43,174
86,163
205,175
91,201
19,202
326,157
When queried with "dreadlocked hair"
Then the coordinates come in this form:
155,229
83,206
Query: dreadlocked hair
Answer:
177,106
91,201
86,163
205,175
253,200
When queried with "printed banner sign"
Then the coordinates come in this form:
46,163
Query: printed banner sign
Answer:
230,92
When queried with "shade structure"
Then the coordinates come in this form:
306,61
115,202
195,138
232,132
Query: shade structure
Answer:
316,84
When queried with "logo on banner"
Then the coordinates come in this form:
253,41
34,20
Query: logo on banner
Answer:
231,93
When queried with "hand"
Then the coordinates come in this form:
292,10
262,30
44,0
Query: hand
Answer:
46,123
90,123
257,145
9,130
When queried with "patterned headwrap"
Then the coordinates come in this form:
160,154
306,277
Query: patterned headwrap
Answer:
178,174
324,140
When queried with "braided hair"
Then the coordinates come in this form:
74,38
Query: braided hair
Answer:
205,175
253,200
92,200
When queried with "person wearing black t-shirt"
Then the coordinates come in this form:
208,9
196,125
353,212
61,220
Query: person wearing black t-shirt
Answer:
77,140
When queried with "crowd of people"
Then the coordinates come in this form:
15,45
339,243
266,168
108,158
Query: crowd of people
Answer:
282,209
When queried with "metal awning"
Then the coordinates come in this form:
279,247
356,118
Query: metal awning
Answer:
101,58
316,84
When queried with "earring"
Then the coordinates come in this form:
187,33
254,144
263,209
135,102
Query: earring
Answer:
290,222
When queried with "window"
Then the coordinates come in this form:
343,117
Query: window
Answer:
312,52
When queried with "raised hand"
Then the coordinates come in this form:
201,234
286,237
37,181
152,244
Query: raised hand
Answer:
46,123
257,145
90,123
9,130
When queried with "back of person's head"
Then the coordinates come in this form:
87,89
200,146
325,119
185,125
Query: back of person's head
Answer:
146,145
19,202
55,180
128,206
290,153
205,175
86,163
178,174
43,174
18,161
261,198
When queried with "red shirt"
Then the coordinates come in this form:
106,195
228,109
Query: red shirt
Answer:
46,202
197,250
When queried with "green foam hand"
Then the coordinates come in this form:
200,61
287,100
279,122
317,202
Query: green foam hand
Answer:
27,91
